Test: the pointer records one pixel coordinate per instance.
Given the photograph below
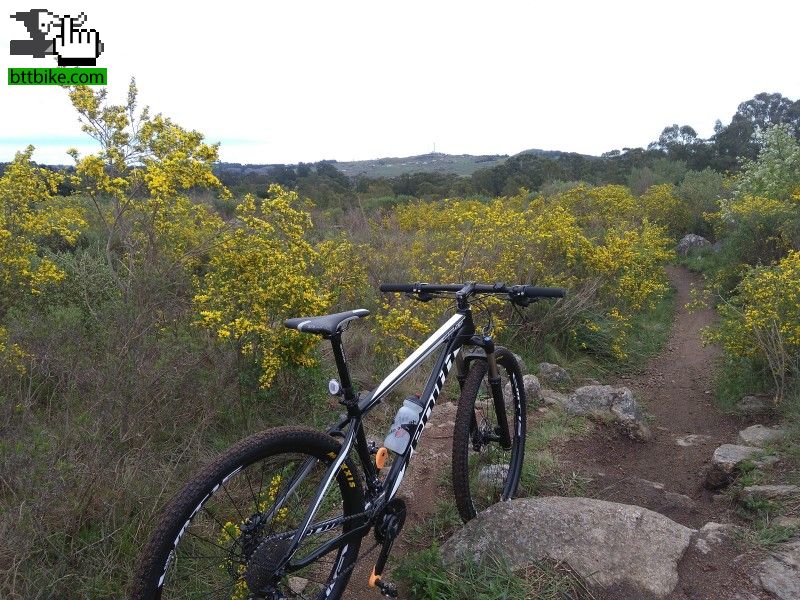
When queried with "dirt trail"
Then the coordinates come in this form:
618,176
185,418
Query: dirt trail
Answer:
677,389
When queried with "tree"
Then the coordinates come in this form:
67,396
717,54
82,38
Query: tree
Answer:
135,183
741,138
776,172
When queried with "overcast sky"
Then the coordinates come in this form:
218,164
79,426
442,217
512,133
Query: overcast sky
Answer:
298,80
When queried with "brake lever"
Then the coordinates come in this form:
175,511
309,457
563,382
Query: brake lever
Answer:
420,296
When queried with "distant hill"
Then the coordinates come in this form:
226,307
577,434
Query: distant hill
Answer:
435,162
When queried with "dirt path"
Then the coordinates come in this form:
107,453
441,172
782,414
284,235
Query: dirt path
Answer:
667,474
676,387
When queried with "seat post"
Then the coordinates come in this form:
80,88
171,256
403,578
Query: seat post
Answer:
350,397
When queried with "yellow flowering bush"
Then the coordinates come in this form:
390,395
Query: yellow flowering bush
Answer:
762,320
264,270
30,212
660,205
579,236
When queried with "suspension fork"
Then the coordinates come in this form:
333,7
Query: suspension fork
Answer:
496,386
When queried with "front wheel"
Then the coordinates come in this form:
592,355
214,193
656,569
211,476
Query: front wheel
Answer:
223,531
485,470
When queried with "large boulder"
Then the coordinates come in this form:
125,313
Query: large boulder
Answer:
727,459
605,402
760,435
610,545
552,373
690,243
779,574
533,390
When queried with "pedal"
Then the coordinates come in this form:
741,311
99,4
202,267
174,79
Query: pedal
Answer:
387,589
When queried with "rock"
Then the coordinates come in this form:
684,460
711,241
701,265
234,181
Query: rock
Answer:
727,458
713,534
753,405
690,243
552,373
771,492
779,574
788,522
606,402
693,439
607,544
493,475
533,390
297,584
554,398
759,435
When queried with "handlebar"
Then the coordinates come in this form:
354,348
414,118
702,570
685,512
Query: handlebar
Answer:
516,293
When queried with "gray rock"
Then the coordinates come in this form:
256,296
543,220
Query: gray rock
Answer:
779,574
713,534
552,373
785,521
607,544
772,492
693,439
609,403
554,398
297,584
690,243
759,435
727,459
533,390
493,475
753,405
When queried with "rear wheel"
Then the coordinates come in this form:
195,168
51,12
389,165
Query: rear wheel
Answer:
223,532
484,472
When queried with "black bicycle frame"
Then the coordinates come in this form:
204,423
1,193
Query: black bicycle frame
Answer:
458,330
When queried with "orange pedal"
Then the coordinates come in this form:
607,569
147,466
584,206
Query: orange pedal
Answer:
374,579
380,457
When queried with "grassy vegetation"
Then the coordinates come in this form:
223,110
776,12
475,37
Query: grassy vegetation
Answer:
541,471
426,577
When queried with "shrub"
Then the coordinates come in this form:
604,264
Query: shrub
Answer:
762,320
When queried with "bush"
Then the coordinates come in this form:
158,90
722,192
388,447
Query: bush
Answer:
762,319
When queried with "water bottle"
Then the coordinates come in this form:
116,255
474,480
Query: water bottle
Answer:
398,438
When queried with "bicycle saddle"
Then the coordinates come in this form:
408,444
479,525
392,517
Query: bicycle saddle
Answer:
325,324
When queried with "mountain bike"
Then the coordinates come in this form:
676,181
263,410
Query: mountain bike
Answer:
282,513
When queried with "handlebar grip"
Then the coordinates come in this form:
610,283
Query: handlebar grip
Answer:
543,292
398,287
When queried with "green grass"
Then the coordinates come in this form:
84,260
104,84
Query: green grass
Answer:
736,378
426,577
540,472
